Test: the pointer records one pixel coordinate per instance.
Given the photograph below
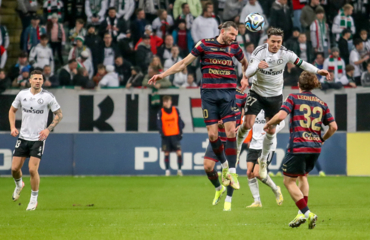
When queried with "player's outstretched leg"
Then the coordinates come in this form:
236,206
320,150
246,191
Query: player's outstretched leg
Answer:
230,152
243,131
35,182
17,164
209,168
167,163
179,163
268,142
253,186
275,189
227,204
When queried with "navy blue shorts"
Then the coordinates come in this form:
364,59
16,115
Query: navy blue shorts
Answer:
219,104
295,165
210,155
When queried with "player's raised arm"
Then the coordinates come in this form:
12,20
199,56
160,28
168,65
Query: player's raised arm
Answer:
57,118
178,67
13,130
293,58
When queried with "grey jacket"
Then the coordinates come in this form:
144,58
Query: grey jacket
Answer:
25,6
232,9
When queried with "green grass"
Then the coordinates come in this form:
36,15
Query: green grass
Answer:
178,208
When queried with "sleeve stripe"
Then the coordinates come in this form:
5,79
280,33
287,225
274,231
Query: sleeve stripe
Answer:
298,62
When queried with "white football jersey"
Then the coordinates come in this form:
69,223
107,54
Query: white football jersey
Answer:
35,112
269,82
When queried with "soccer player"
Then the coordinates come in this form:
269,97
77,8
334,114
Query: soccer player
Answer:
307,113
254,152
35,103
267,64
170,127
218,92
210,158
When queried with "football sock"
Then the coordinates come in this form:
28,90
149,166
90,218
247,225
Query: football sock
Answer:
228,199
232,170
302,205
18,182
268,142
253,186
268,181
167,161
230,191
179,162
230,151
241,135
213,178
34,195
218,149
306,199
225,164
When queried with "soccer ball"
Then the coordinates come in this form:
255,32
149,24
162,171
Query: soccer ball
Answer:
254,22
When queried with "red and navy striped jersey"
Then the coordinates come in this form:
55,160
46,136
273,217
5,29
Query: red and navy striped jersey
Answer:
240,99
307,114
217,63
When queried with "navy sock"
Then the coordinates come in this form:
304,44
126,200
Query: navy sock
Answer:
179,162
167,161
218,149
230,191
230,151
213,177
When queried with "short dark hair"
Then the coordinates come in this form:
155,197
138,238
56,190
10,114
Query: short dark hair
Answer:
320,53
80,21
118,56
183,5
39,72
206,6
357,41
22,55
166,98
228,24
73,60
308,81
2,70
275,32
349,67
112,8
345,31
160,12
248,44
43,37
138,10
100,66
46,66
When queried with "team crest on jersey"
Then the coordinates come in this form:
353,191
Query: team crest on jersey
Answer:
40,101
279,61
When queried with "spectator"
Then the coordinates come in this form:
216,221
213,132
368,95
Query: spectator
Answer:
162,25
100,74
182,38
32,34
320,34
126,46
164,51
123,69
74,10
163,83
93,41
95,11
266,7
125,8
81,79
76,51
113,25
108,52
4,81
297,11
27,10
210,7
343,44
204,26
365,78
110,79
190,82
319,62
281,17
333,83
291,75
67,73
50,80
144,54
4,37
347,79
185,15
22,81
42,55
232,9
335,64
175,58
292,43
56,35
84,61
193,7
78,30
155,41
243,38
3,56
156,64
16,70
252,6
249,48
138,25
309,15
52,7
343,20
136,78
306,51
356,60
366,42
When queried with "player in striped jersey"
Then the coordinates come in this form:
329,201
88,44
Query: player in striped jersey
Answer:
210,158
218,92
267,66
307,114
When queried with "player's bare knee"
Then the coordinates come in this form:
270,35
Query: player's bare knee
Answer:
250,174
15,169
33,171
212,136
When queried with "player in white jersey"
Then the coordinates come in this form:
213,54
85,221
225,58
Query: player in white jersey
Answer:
35,104
254,152
267,66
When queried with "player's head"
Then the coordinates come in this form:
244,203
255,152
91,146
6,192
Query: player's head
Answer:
167,101
229,31
275,39
308,81
36,79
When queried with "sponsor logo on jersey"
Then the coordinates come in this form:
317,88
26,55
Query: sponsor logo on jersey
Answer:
219,72
220,61
40,101
271,72
25,100
33,111
311,136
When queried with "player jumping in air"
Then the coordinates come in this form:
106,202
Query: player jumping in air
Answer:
307,113
267,64
218,86
35,103
210,158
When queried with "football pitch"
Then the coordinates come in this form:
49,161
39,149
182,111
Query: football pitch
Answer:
179,208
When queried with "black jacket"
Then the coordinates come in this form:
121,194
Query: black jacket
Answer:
126,48
343,50
101,49
4,84
14,71
124,72
121,25
65,78
293,45
93,42
136,80
281,19
80,80
160,52
143,57
159,120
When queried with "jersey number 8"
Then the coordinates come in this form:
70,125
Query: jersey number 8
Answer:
307,116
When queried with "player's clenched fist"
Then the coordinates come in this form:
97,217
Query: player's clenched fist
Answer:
263,65
14,132
155,78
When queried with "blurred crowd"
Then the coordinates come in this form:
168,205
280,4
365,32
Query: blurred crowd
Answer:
123,43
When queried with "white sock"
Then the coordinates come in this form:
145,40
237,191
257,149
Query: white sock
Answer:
253,186
232,170
268,142
219,188
240,136
299,212
18,182
307,213
228,199
268,181
34,195
225,164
